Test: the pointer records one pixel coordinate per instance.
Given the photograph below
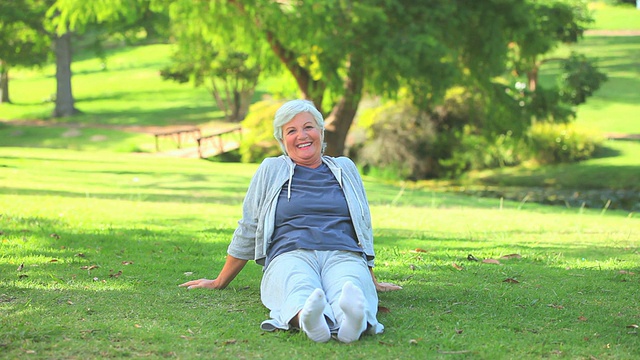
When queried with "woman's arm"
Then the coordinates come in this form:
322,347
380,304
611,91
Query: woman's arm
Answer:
232,267
383,286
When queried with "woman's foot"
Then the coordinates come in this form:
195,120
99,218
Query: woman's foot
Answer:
352,303
312,320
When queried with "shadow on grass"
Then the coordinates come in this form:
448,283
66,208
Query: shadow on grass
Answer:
606,152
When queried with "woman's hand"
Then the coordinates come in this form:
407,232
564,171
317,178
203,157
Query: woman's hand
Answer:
384,286
200,283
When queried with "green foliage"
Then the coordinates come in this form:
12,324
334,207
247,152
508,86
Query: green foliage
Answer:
476,152
558,143
548,105
23,41
581,78
400,140
258,142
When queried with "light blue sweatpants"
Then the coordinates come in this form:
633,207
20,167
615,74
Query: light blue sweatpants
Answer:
291,277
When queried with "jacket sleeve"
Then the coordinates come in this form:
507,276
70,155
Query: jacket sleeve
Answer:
243,242
358,187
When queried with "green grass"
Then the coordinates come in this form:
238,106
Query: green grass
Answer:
150,223
619,17
614,106
128,91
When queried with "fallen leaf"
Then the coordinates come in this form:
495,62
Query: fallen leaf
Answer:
382,309
459,331
412,267
116,275
632,326
626,272
230,342
413,342
418,250
511,281
22,276
560,307
80,255
470,257
491,261
511,256
54,235
582,318
137,326
53,260
188,273
21,267
127,263
458,267
69,302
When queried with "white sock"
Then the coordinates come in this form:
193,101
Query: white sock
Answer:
312,320
352,303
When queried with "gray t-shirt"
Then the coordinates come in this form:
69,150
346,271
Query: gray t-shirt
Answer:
316,217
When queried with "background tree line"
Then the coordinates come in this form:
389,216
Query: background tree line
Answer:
456,80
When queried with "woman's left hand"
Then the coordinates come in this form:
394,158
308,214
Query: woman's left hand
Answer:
384,286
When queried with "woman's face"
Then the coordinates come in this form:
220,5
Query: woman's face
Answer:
302,139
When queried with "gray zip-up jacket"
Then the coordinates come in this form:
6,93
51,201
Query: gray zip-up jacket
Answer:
254,232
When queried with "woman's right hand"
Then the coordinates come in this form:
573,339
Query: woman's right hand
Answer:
200,283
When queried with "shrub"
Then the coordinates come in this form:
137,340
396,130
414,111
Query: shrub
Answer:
399,141
557,143
258,142
476,152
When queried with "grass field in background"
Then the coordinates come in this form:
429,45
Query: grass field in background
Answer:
106,241
610,16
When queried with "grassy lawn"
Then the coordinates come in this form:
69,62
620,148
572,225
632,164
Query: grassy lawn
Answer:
611,16
105,241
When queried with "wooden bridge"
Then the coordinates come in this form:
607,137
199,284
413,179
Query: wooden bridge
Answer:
215,143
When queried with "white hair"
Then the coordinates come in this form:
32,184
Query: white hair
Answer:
288,111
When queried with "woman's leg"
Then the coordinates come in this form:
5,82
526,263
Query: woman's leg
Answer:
350,292
292,290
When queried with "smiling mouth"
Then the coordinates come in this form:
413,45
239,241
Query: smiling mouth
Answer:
302,146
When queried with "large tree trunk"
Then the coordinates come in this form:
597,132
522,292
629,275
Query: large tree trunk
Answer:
65,104
339,121
4,85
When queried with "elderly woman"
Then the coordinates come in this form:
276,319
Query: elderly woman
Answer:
306,219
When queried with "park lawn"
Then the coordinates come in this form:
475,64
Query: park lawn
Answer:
613,107
105,240
614,16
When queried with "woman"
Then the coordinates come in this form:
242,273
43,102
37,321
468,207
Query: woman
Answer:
306,219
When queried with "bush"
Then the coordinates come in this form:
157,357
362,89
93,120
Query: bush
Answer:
477,152
399,142
558,143
258,142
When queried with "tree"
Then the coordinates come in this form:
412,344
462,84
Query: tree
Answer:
135,13
21,40
337,51
555,22
226,69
